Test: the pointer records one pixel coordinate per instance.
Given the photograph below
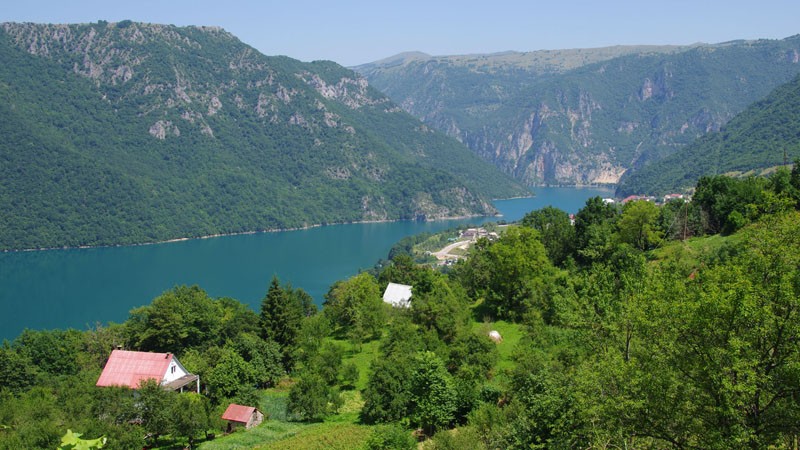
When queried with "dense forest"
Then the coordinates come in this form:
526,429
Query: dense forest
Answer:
121,133
757,139
638,326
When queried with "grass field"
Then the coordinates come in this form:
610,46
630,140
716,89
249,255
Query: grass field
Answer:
343,430
322,436
692,252
362,357
511,334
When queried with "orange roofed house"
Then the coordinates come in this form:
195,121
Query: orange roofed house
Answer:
128,368
238,415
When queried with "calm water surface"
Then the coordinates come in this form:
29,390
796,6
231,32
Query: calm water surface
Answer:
78,288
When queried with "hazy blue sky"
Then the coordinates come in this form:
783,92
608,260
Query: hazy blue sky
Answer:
352,32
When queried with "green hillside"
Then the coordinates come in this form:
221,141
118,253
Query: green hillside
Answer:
647,331
756,139
585,116
127,133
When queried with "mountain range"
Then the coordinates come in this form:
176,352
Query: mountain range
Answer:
121,133
765,135
585,116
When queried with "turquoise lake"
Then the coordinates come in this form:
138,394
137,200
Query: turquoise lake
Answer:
77,288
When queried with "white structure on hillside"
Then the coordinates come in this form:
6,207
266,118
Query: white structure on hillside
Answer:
398,295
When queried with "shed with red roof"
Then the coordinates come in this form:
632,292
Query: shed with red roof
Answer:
130,369
238,415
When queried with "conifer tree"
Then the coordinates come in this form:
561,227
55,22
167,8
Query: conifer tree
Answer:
281,318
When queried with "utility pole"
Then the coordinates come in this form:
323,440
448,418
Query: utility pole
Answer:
685,218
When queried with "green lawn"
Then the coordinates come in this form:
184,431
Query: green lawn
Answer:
268,432
511,334
362,356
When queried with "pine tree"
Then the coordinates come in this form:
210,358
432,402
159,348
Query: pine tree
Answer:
281,317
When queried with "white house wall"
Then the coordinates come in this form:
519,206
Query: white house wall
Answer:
174,371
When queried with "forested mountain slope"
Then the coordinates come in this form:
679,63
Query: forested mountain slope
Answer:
116,133
585,116
756,139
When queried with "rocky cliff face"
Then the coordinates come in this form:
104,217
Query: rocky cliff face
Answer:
144,132
756,141
559,119
166,70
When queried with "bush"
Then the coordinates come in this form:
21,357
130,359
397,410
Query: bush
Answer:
312,399
391,437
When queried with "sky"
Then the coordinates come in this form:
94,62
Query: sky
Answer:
353,32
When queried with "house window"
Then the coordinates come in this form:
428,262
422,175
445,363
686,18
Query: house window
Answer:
172,369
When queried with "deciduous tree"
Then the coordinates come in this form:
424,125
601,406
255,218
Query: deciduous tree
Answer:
432,393
311,398
190,416
637,225
356,305
555,231
181,318
511,274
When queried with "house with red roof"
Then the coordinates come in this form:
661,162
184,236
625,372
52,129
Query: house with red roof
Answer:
238,415
130,369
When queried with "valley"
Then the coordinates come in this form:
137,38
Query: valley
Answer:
588,116
419,253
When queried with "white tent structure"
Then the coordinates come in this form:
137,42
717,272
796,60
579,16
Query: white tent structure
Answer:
398,295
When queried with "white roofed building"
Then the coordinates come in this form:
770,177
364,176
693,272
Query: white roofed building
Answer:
398,295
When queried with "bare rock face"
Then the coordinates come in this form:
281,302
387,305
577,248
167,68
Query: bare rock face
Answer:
164,128
571,117
214,105
374,208
124,56
353,92
647,90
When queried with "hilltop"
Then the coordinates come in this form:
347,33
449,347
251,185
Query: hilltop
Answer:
585,116
120,133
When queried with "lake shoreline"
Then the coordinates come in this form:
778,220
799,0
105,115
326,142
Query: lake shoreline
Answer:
243,233
43,290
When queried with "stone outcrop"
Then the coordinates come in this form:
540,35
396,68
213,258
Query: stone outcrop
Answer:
584,116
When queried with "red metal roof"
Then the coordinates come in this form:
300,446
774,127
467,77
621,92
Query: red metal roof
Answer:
238,413
127,368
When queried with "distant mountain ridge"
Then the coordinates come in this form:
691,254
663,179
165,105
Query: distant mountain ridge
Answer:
536,62
585,116
757,139
118,133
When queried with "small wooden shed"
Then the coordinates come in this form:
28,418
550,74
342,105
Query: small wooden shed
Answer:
238,415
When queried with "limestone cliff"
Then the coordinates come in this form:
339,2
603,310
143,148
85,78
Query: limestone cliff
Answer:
585,116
